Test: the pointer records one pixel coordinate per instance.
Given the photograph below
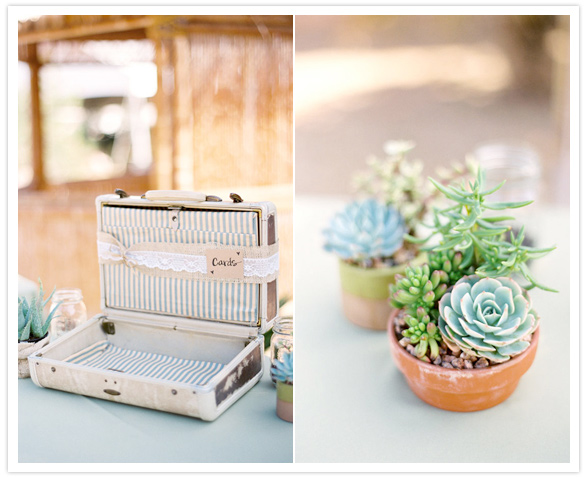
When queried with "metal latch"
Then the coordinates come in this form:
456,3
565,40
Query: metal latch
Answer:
122,194
108,327
235,198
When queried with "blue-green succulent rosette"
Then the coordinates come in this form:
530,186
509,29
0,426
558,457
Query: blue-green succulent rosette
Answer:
365,230
282,370
487,317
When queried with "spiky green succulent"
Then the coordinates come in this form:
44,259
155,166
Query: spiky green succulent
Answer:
487,317
423,333
365,230
282,370
451,262
468,226
30,317
417,287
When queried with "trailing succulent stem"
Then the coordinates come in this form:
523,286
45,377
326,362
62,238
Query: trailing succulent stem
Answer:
465,227
423,333
30,317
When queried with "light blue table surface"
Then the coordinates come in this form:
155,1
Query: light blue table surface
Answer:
81,429
354,405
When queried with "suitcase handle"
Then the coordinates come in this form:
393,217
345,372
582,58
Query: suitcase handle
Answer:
183,195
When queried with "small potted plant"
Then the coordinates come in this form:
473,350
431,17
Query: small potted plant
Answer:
33,331
282,374
368,238
463,331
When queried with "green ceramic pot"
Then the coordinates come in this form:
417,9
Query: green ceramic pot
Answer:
365,292
285,401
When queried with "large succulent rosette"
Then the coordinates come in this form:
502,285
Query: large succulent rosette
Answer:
487,317
365,230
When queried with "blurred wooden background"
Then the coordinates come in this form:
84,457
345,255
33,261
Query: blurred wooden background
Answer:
224,124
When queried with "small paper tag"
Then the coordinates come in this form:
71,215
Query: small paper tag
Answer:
225,263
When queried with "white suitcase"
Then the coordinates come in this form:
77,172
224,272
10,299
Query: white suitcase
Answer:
188,287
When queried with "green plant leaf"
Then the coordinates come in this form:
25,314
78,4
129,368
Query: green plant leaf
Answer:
21,317
51,315
24,335
506,205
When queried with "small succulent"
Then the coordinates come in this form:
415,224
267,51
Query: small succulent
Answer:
282,370
451,262
30,317
417,287
364,231
396,181
487,317
423,333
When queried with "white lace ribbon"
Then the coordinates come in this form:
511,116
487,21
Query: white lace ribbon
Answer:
112,251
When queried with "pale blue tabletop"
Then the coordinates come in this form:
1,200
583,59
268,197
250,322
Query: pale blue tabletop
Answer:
354,405
81,429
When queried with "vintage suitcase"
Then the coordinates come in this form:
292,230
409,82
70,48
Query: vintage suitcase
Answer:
188,286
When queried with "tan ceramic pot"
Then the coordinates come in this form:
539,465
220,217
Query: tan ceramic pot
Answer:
365,292
26,348
285,401
462,390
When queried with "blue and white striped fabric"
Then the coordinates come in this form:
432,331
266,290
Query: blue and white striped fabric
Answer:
104,355
127,288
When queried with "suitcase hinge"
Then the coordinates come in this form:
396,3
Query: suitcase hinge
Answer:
108,327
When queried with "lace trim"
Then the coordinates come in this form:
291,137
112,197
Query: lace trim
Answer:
253,267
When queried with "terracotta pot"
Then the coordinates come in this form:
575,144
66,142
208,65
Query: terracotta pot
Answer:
285,401
365,292
462,390
26,348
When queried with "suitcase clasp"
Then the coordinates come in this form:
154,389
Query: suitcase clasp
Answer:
108,327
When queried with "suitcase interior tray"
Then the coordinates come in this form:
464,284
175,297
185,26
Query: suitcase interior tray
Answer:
105,355
148,351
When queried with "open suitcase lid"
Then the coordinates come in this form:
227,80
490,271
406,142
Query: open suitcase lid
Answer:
189,261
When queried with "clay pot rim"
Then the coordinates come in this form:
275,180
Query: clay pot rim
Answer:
447,371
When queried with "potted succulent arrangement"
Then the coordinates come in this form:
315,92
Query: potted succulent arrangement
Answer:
33,331
463,330
282,374
368,235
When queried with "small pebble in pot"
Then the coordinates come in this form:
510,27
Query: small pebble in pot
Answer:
447,365
447,358
410,349
482,363
437,361
468,364
405,341
458,363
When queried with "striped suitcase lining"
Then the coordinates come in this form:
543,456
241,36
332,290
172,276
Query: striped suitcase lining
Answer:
244,222
133,290
104,355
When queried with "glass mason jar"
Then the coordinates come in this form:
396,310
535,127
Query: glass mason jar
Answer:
281,340
517,164
71,312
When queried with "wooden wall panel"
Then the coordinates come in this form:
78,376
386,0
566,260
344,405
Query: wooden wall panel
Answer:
232,111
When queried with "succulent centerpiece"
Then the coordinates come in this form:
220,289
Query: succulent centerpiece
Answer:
33,330
282,374
468,307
